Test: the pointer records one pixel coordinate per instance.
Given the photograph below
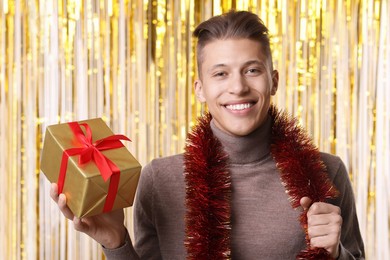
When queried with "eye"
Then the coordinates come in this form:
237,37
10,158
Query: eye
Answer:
253,71
219,74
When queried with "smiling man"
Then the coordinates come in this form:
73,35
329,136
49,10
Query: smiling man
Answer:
236,83
250,184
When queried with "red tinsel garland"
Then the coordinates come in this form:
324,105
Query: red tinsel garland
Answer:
301,169
208,184
208,193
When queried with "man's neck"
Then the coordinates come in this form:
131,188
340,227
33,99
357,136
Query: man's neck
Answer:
245,149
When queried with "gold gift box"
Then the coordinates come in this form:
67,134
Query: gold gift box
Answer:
84,186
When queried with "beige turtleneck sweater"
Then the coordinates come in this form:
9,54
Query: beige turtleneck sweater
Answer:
264,225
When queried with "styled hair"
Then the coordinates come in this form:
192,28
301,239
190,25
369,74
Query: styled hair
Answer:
233,25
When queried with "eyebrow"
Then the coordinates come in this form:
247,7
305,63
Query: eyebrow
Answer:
216,66
250,62
254,62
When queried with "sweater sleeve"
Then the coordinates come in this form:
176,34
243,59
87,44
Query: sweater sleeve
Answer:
146,238
146,244
125,252
351,243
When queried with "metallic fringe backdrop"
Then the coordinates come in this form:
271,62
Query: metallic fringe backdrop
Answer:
132,63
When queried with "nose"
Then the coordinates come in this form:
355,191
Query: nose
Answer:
238,85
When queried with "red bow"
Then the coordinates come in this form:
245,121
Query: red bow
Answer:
92,151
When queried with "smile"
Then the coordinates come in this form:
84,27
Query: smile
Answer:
237,107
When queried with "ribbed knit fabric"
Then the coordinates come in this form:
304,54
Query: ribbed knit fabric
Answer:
264,226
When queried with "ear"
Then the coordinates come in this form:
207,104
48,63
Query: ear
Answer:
199,91
275,82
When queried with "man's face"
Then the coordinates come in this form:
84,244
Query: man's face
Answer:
236,83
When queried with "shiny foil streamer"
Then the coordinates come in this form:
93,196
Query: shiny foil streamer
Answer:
133,64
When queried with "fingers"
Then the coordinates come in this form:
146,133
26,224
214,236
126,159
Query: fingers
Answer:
323,230
324,226
54,192
329,242
61,201
319,208
323,219
63,207
79,225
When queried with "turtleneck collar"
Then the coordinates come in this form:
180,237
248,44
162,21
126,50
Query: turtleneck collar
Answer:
245,149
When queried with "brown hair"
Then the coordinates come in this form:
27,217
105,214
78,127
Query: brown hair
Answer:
232,25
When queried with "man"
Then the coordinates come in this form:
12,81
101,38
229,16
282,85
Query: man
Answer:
229,195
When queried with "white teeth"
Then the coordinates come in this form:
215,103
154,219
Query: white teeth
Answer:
239,106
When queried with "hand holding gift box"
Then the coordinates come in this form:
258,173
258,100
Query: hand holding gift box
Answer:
91,166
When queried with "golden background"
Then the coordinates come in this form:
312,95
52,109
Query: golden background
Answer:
132,63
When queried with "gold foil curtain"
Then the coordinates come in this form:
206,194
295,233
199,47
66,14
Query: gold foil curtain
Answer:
132,63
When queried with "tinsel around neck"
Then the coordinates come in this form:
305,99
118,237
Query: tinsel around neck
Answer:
208,184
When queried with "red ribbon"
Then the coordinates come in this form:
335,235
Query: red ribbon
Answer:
92,151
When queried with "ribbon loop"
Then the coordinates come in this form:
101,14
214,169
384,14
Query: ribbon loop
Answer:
92,151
